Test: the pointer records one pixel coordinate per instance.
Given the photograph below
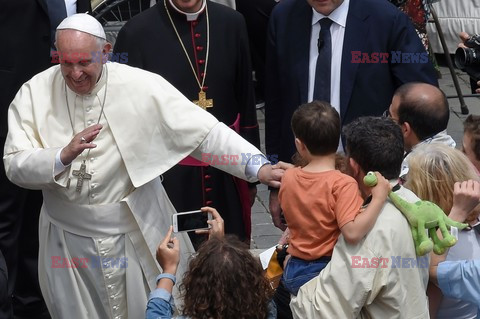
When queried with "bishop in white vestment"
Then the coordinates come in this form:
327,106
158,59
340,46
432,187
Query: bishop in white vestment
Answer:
105,212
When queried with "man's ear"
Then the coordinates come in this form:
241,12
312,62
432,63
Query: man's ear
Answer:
355,168
410,138
105,51
406,129
107,48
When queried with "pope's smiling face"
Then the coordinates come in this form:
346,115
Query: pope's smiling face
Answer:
81,58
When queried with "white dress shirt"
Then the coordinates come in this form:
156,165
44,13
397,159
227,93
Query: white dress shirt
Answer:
71,6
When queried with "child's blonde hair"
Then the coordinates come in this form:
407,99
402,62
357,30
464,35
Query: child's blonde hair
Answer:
434,169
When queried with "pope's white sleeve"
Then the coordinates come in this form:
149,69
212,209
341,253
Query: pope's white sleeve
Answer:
224,149
33,168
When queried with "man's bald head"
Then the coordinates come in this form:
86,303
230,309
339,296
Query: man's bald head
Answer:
423,106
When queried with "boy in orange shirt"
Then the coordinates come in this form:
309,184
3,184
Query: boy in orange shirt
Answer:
318,201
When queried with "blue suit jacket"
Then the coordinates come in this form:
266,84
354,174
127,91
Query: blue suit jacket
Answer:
365,88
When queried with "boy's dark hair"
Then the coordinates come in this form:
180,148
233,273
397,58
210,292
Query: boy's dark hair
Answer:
376,144
317,125
426,116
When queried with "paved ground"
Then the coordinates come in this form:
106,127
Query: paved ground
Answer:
265,235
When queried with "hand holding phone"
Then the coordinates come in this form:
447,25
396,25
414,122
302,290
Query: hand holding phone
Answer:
217,224
190,221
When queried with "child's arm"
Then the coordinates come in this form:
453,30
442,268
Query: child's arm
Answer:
355,230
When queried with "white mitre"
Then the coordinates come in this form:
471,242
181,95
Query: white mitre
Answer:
83,22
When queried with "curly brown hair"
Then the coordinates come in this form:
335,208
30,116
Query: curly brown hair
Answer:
225,281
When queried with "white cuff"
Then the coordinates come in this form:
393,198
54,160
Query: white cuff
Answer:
59,166
253,166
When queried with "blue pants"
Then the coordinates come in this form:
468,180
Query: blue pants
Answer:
298,271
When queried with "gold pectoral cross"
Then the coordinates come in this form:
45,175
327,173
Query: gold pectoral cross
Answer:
202,101
81,174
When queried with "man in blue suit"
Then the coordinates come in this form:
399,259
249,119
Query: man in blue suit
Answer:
351,53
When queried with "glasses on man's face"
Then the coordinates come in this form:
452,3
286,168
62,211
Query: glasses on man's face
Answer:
387,114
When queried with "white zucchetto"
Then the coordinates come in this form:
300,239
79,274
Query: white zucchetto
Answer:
83,22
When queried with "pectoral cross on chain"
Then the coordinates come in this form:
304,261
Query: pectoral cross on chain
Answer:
202,101
81,174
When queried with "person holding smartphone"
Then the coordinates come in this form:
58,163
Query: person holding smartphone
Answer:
222,267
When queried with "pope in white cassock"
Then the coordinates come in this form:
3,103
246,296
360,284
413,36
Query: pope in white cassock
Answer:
94,137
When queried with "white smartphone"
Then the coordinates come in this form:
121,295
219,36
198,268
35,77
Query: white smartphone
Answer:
190,221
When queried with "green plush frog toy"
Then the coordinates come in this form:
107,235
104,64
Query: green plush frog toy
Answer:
423,215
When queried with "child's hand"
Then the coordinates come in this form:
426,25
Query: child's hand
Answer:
466,196
285,239
382,189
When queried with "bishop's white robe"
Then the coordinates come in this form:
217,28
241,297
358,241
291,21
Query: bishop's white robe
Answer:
97,247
